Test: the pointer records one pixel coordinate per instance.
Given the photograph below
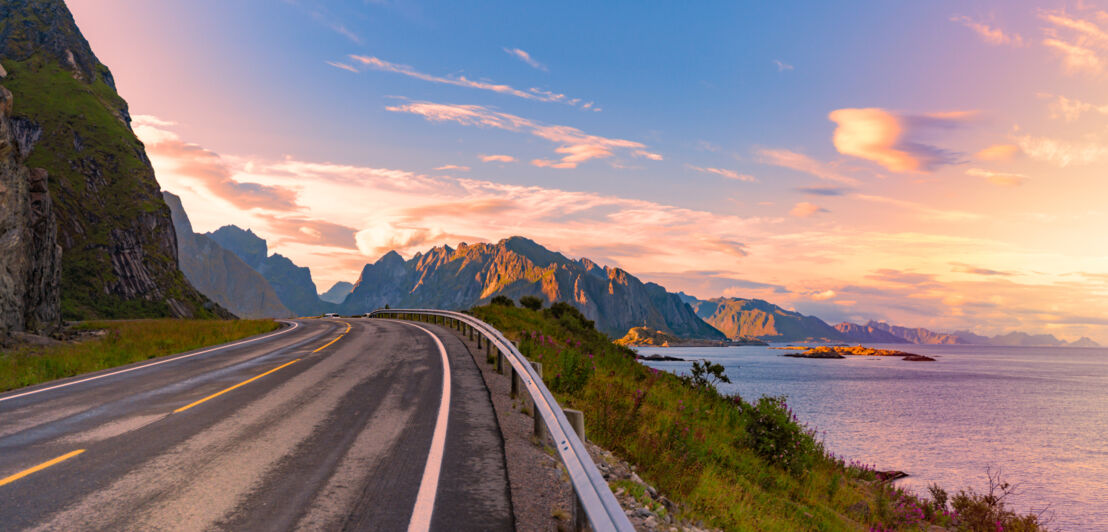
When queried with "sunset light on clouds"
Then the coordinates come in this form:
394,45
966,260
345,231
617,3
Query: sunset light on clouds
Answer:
934,164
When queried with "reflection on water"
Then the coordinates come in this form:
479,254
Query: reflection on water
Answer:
1040,415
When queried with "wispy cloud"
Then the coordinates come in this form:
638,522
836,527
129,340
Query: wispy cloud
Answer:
497,158
824,191
575,145
988,33
1071,110
923,210
729,174
526,58
343,66
892,140
1080,42
781,65
959,267
998,178
998,152
532,93
209,169
805,209
1062,153
452,167
803,163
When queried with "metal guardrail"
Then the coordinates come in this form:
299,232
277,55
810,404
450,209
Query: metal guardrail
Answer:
593,494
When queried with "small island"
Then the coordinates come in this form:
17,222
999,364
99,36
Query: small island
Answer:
647,337
826,351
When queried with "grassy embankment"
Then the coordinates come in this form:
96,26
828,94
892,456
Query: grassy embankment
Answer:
122,342
735,464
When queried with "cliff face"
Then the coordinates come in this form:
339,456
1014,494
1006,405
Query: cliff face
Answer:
738,318
516,267
30,258
220,274
916,335
292,284
119,250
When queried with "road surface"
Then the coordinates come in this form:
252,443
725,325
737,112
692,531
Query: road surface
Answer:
323,425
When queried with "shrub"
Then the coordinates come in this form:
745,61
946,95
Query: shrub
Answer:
986,512
573,372
777,436
503,301
706,375
570,317
531,302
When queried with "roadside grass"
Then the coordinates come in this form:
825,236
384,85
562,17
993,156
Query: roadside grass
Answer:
122,342
734,463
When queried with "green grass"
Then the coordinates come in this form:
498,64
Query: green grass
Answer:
124,342
733,463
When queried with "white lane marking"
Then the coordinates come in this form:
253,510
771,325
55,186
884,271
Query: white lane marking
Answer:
429,485
63,385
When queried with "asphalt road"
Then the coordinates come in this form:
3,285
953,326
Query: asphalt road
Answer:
322,425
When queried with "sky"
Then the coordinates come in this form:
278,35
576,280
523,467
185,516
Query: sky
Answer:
936,164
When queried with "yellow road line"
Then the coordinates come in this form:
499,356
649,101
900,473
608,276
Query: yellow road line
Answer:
243,383
40,467
328,344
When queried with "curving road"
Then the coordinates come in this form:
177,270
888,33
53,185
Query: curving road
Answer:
322,425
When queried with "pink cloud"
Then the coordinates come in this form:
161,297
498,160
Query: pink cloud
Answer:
802,163
497,158
452,167
729,174
525,57
576,145
988,33
1080,42
998,178
343,66
805,209
889,139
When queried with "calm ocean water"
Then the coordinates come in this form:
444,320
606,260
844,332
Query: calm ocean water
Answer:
1040,415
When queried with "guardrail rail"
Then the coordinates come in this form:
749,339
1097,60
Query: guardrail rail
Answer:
594,497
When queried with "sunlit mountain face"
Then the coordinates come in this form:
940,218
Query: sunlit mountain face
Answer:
932,164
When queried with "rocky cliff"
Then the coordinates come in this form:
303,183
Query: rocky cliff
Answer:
30,258
119,250
220,274
472,274
292,284
740,318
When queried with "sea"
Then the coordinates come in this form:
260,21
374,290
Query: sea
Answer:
1038,416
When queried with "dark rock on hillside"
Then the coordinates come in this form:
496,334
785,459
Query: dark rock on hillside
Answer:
293,284
745,318
473,274
868,334
220,274
30,258
119,250
337,293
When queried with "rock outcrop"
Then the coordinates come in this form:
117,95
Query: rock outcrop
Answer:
30,258
745,318
220,274
119,254
868,333
515,267
292,284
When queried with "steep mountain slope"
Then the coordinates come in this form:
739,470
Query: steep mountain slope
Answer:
292,284
30,258
337,293
738,318
119,249
868,334
515,267
220,274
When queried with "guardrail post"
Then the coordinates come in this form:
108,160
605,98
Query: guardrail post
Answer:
580,518
490,355
500,362
470,327
577,419
540,429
